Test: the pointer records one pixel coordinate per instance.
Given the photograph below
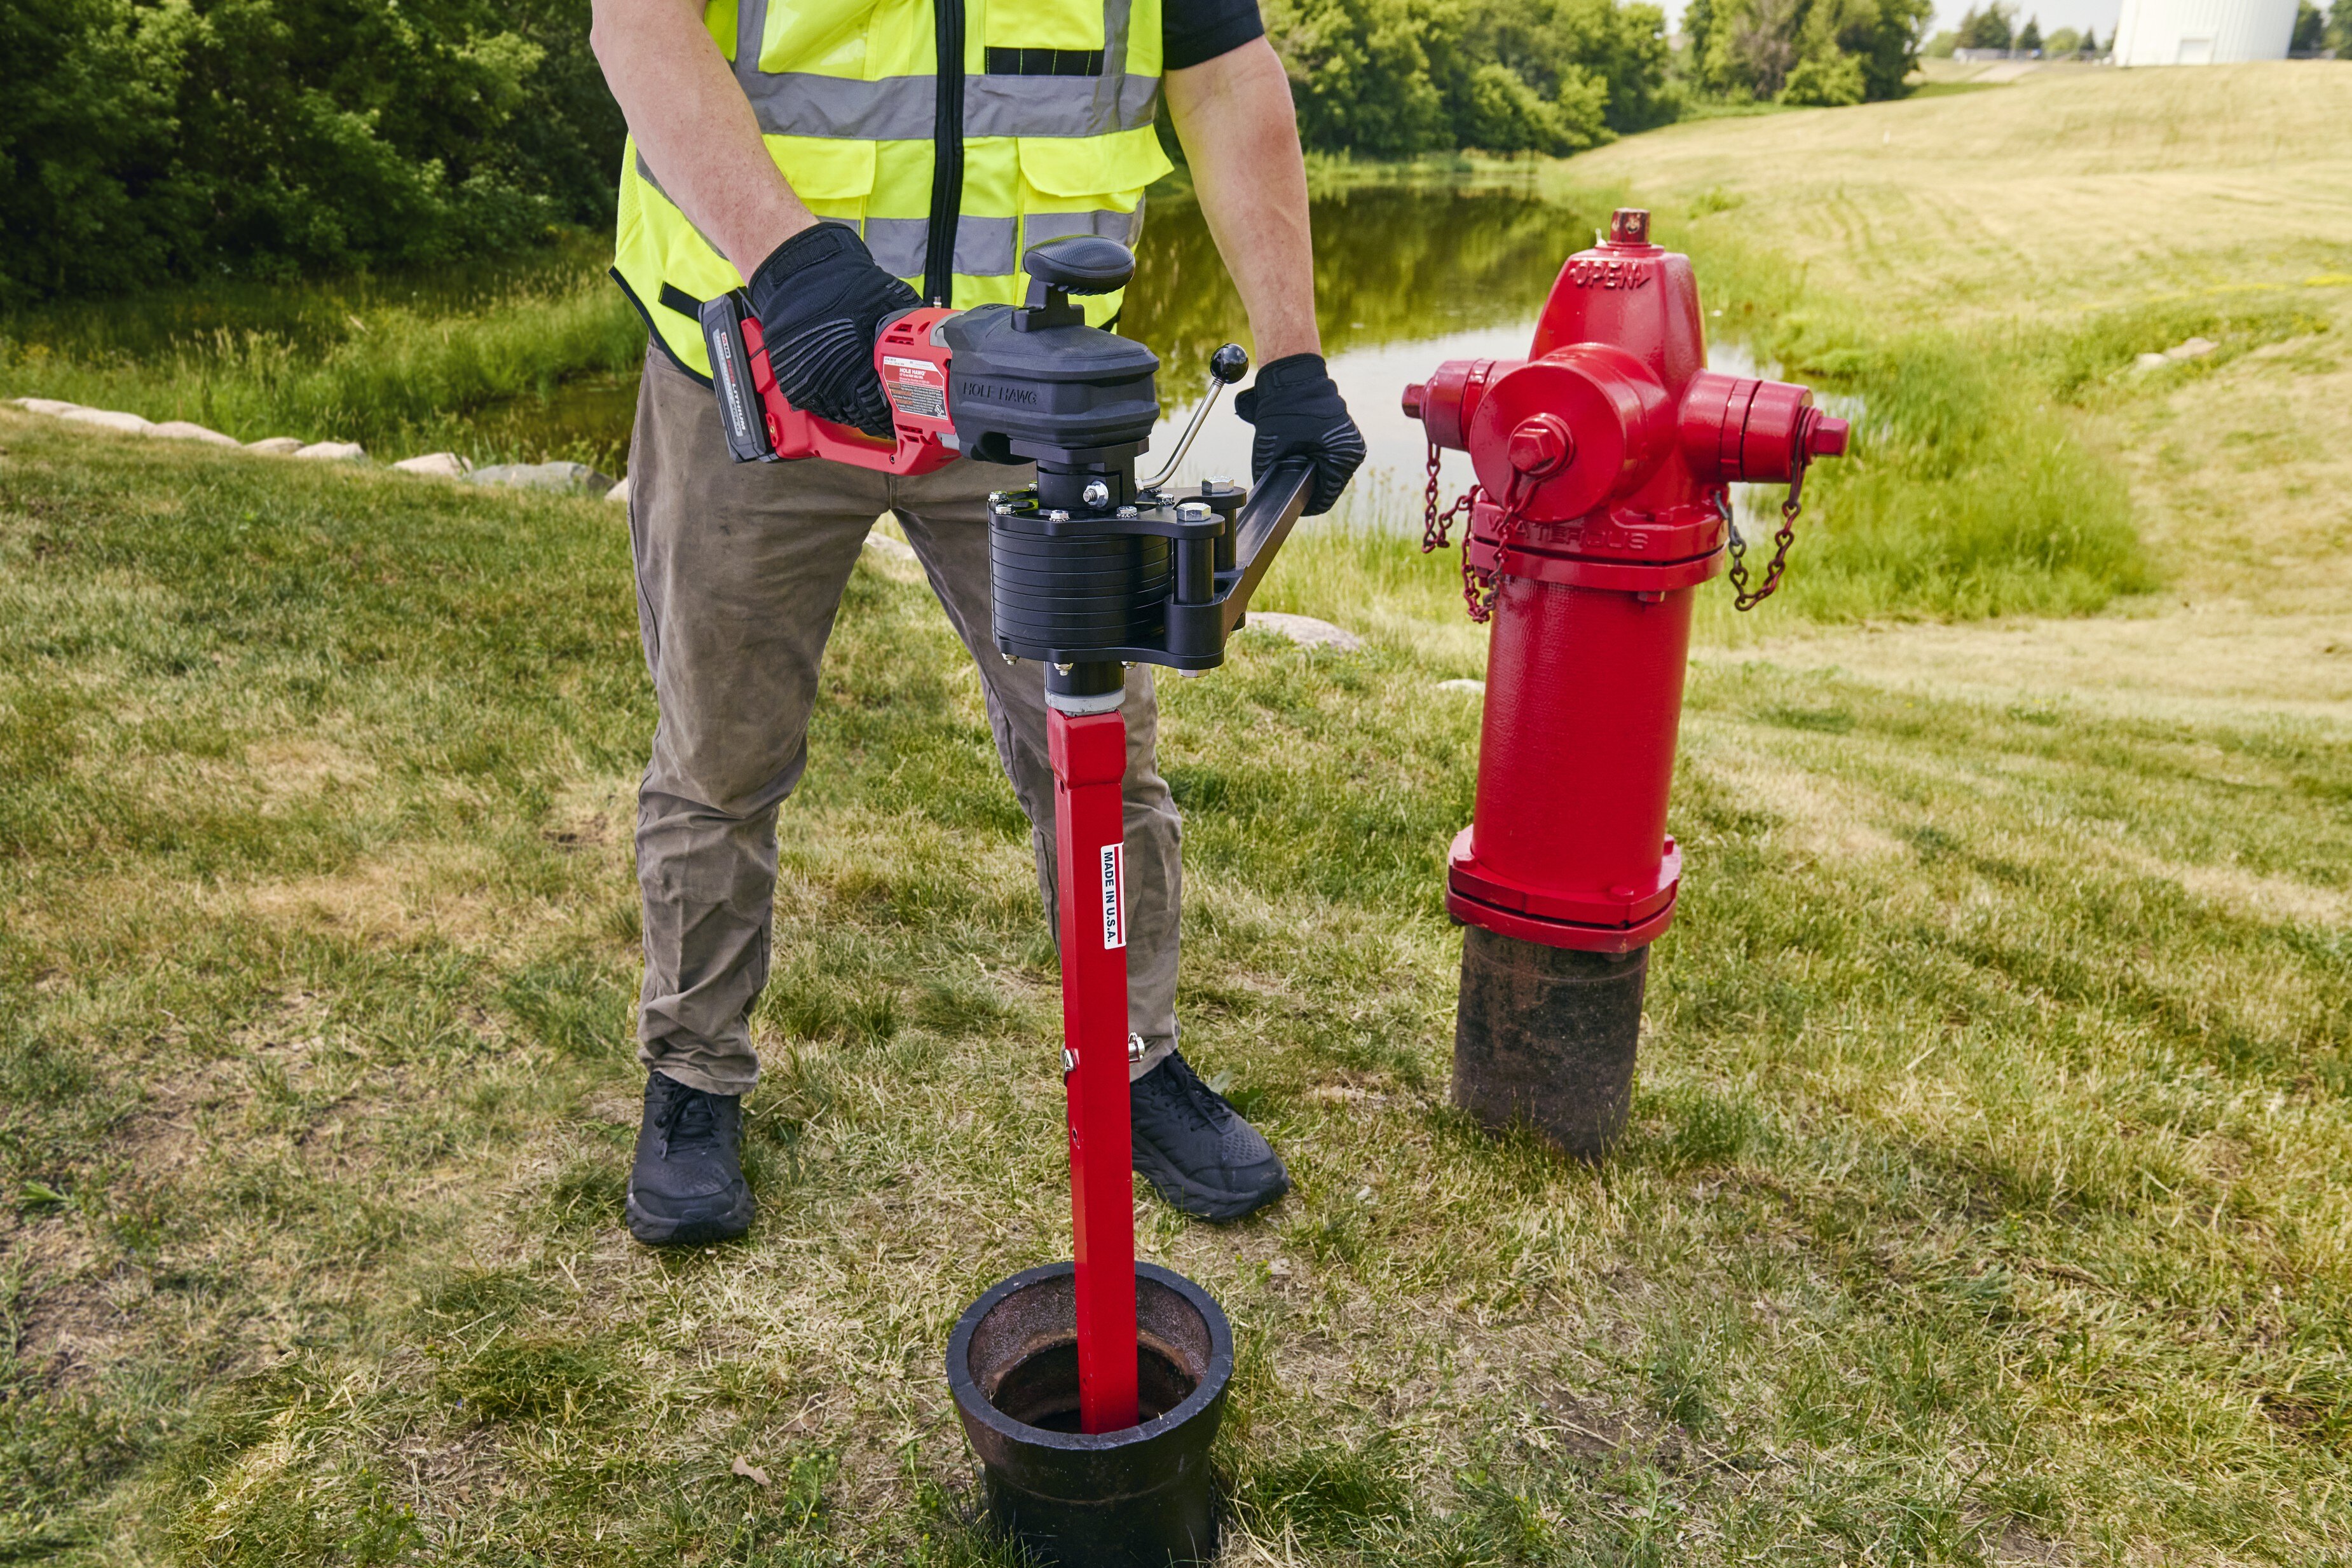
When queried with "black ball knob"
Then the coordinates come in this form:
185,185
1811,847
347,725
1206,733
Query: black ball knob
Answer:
1230,363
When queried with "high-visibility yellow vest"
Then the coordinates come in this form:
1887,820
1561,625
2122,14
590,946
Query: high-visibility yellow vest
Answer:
1046,131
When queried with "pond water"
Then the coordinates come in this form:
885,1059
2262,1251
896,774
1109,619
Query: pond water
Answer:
1406,277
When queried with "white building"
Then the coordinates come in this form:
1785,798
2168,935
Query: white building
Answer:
2202,32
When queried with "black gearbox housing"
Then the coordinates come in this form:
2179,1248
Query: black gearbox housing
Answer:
1024,392
1087,572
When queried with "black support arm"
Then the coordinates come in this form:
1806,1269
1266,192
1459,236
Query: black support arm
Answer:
1266,518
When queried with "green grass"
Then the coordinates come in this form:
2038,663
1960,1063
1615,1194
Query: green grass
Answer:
1985,1197
400,364
1979,483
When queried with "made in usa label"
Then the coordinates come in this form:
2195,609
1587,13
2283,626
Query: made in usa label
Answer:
1114,895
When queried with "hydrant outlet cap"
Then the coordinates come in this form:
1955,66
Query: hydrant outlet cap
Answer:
1414,393
1827,437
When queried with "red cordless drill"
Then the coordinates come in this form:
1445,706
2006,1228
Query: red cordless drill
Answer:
910,356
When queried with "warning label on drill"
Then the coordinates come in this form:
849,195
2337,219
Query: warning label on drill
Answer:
1114,894
917,387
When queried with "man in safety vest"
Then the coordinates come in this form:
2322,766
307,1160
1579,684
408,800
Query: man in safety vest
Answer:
841,155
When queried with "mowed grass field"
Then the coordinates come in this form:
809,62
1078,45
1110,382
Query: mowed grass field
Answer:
2058,228
1987,1199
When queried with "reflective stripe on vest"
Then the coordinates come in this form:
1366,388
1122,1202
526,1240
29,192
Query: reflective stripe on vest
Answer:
1054,138
901,109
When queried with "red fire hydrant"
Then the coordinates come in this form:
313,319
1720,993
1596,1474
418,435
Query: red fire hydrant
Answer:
1601,508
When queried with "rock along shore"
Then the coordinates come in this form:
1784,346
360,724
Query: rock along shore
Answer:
562,479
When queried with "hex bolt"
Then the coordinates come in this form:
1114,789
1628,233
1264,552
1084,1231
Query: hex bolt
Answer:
1542,445
1095,494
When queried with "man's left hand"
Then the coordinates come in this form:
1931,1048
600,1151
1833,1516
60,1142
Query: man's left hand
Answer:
1298,411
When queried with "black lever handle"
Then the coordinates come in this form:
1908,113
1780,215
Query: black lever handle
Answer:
1266,518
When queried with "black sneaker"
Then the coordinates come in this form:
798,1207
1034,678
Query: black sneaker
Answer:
687,1186
1196,1149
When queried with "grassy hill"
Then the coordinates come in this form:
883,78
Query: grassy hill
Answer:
1988,1196
2059,227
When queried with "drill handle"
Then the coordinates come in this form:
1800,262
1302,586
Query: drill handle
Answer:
762,426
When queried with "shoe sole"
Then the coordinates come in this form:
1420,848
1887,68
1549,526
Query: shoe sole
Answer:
655,1231
1219,1206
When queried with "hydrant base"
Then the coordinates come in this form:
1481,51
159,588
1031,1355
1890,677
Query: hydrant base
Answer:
1545,1037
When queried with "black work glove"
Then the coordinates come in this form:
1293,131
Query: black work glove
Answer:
822,302
1299,412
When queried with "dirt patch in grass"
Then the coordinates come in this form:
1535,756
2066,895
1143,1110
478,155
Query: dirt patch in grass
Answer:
439,891
1816,817
592,814
2267,897
300,766
69,1321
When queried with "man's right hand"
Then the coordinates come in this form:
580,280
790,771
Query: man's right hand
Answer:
822,301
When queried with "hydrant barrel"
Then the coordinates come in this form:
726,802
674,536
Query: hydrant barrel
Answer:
1584,860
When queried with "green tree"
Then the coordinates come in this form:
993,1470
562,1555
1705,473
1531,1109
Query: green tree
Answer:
2091,42
2310,34
2029,40
145,139
1698,24
1882,37
1755,45
2339,28
85,143
1986,29
1553,44
1359,73
2063,43
1391,78
1825,82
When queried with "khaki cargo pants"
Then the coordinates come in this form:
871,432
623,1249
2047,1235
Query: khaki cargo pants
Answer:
740,568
